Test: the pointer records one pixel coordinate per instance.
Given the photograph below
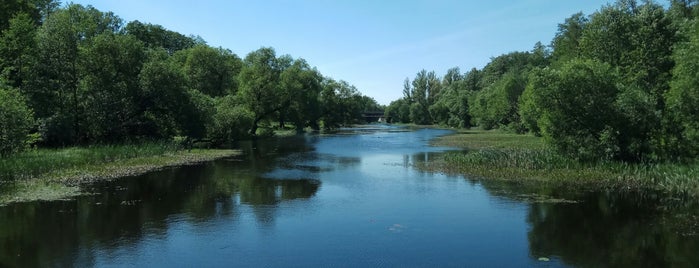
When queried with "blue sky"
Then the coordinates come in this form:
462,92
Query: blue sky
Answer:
372,44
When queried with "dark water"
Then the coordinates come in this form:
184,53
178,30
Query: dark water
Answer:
348,200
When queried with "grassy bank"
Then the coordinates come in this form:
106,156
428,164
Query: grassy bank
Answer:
504,156
51,174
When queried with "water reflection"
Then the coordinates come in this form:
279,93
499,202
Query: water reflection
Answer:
605,229
122,212
352,198
613,231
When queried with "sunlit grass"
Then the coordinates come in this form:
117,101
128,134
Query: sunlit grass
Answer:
50,174
41,161
504,156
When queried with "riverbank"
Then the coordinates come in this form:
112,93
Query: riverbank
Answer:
54,174
526,158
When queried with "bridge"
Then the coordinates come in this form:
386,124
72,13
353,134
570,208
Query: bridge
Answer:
375,116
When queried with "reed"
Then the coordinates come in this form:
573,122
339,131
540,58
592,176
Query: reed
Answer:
504,156
36,162
51,174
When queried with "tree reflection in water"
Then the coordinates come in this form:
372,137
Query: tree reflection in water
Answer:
124,211
605,229
270,188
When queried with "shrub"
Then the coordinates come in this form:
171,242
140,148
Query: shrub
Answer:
16,121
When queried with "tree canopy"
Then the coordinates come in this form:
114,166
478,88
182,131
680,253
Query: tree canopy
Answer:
75,75
616,84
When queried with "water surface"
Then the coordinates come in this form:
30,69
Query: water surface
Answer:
352,199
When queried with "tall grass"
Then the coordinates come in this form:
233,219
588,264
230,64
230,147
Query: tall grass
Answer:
40,161
498,155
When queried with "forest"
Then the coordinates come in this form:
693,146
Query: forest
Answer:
73,75
621,84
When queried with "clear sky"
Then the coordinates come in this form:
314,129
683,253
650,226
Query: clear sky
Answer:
372,44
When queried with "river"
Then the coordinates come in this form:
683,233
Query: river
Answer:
351,199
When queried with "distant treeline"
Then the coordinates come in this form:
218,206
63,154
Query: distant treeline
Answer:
622,83
74,75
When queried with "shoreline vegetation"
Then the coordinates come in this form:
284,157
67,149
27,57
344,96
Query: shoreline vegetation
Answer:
498,155
54,174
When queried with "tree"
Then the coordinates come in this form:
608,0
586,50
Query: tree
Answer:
577,106
651,55
16,121
196,115
607,36
300,86
260,85
53,85
109,88
398,111
472,80
453,76
497,105
231,120
407,90
683,98
341,104
331,113
212,71
17,45
530,113
637,40
566,43
514,62
425,91
36,10
164,100
156,36
451,107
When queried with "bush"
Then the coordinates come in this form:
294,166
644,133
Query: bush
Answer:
578,112
231,120
16,121
683,98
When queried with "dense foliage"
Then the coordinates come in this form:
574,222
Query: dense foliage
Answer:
621,83
15,121
74,75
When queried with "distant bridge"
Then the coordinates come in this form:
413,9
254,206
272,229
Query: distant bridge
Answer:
375,116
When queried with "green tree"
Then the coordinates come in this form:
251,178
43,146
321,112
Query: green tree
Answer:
164,98
566,43
472,80
231,120
300,89
156,36
341,104
607,37
407,90
36,10
212,71
425,91
514,62
398,111
260,88
109,87
497,105
530,112
331,114
451,107
16,121
196,115
683,98
577,107
350,103
17,45
53,85
637,40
